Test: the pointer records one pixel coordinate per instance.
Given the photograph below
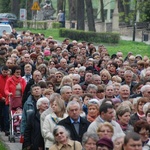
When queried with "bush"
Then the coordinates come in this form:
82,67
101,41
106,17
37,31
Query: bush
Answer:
90,36
56,25
37,25
20,24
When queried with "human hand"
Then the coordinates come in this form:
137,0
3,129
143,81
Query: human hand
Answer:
10,94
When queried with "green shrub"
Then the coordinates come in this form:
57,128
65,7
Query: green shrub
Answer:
20,24
90,36
56,25
37,24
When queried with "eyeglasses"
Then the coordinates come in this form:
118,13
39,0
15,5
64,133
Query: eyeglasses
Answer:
59,133
108,131
58,76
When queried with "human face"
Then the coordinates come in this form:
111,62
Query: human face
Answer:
5,73
133,145
108,116
90,144
36,91
102,148
104,77
146,93
124,92
26,58
17,73
106,132
148,118
77,90
88,77
124,119
116,90
86,99
37,76
55,107
43,106
28,71
118,143
74,112
92,92
67,94
92,111
58,77
75,80
60,136
128,78
97,80
100,95
109,92
144,134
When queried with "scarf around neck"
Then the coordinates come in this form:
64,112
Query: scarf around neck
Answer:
16,80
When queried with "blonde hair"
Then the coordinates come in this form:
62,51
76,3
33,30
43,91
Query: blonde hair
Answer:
66,78
116,79
107,124
104,71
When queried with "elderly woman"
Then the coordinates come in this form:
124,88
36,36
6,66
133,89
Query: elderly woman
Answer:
44,71
139,115
51,121
89,141
143,129
105,130
118,141
93,109
62,140
105,77
92,89
123,113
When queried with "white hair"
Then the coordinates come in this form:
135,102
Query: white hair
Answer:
144,88
117,136
41,100
72,103
145,107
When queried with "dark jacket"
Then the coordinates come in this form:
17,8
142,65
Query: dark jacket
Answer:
32,135
84,124
134,118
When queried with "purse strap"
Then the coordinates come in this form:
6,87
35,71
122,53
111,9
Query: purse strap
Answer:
74,145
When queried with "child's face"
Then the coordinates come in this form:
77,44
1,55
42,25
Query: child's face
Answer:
86,100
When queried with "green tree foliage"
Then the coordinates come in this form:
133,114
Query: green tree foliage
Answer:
5,6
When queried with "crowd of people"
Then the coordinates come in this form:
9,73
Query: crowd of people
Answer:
73,95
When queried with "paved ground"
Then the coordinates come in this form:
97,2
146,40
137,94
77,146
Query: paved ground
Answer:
10,146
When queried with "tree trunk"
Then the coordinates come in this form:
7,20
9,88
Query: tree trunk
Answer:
90,17
15,7
80,14
59,5
102,11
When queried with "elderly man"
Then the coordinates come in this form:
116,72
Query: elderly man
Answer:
77,90
92,89
106,114
124,93
63,66
146,91
76,78
74,123
109,91
128,76
66,92
96,79
32,136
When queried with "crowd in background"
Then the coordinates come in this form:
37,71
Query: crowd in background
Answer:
73,95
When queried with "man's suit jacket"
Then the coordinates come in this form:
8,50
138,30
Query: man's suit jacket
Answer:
83,126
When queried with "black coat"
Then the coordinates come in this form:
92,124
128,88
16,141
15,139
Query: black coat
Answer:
84,124
32,135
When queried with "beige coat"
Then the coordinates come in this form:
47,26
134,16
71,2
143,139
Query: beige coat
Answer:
72,145
48,126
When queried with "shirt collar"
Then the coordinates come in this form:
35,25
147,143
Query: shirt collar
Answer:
72,121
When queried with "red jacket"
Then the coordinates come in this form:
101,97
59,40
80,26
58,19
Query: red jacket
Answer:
3,80
10,87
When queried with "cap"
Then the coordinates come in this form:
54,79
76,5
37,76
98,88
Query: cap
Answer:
138,55
105,142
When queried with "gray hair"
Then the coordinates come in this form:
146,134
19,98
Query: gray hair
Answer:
144,88
64,88
125,85
54,96
128,72
76,75
92,86
88,135
56,128
71,103
82,68
41,100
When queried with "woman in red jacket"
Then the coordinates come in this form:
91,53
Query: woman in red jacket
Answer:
14,88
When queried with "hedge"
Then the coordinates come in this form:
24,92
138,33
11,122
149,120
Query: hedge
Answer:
90,36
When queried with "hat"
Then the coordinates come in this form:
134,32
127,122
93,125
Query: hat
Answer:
105,142
33,55
138,55
93,101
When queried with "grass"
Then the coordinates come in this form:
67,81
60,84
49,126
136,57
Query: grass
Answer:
2,147
124,46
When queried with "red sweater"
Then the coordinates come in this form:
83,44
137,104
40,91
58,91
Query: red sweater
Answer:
3,80
10,87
